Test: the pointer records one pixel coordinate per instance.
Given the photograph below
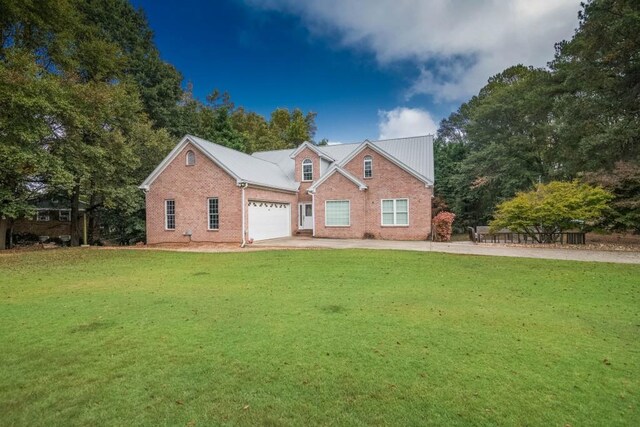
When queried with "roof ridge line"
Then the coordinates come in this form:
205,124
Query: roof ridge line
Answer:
235,151
403,137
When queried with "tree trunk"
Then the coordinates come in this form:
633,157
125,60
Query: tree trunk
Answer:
10,226
75,216
3,233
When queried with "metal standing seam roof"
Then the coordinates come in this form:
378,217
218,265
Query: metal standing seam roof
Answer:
253,170
414,152
276,169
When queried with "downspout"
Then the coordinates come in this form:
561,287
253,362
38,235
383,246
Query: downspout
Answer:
243,185
313,208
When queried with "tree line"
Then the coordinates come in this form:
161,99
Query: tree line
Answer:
88,108
578,118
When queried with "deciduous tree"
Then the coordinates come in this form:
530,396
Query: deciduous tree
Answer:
551,208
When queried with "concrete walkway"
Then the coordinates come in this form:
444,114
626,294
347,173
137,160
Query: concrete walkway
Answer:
466,248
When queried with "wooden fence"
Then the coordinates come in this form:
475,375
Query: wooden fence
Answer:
482,235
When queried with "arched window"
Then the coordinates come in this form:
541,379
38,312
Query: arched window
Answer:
307,170
191,158
368,167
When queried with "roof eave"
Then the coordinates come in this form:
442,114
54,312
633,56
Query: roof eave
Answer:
331,171
268,186
313,148
172,155
390,157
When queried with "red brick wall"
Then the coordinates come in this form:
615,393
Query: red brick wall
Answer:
190,186
304,185
337,187
388,182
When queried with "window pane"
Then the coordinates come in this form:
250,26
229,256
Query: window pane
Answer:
387,218
337,213
401,205
308,210
170,209
214,223
307,170
402,218
368,167
387,206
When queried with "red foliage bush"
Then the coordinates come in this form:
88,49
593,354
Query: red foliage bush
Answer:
442,226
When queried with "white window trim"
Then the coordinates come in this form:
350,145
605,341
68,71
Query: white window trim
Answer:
395,212
60,215
166,217
325,213
186,158
209,214
45,218
303,165
364,167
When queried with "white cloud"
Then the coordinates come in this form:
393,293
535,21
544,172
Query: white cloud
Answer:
401,122
464,42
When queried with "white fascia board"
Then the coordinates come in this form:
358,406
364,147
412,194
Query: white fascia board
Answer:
174,153
388,157
269,187
313,148
341,171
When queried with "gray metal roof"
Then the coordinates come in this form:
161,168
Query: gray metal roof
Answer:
414,152
248,168
276,169
281,158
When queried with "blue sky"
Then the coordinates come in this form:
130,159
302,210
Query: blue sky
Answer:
369,69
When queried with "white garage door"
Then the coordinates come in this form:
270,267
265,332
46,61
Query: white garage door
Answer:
269,220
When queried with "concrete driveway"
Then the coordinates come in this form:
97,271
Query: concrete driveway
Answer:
466,248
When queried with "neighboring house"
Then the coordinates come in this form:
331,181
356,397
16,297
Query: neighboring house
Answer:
204,192
52,219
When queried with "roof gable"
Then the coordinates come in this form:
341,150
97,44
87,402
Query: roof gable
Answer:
313,148
413,154
242,167
337,169
388,156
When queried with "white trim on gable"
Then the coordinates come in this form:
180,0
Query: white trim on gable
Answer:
188,139
333,169
174,153
389,157
313,148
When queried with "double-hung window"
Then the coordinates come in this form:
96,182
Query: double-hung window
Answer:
337,213
43,216
214,213
64,215
368,167
170,214
395,212
307,170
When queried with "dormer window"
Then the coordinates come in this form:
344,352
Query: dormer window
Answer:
307,170
368,167
191,158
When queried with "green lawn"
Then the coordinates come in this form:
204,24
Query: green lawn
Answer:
316,337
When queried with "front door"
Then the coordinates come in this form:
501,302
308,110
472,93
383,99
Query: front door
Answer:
305,216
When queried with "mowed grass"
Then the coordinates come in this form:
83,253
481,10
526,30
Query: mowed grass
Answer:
99,337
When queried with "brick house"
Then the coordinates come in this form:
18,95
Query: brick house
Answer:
204,192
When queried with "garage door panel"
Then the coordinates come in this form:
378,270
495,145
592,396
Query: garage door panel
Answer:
269,220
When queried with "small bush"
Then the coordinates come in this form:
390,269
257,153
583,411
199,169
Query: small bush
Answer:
442,224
